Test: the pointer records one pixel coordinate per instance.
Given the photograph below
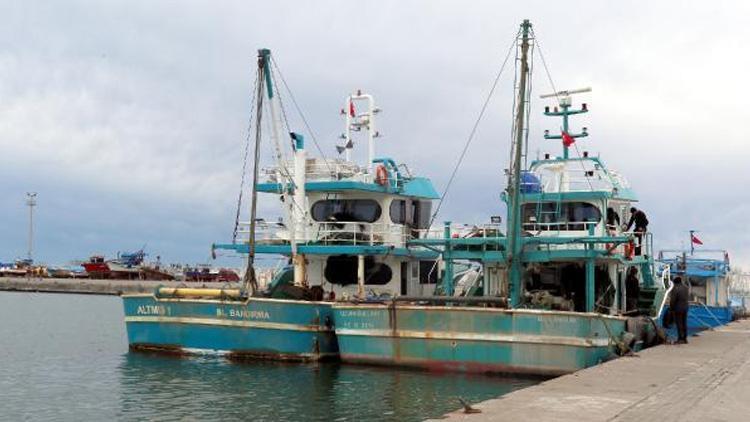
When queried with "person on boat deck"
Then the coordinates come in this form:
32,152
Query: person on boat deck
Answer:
678,305
640,220
632,289
613,220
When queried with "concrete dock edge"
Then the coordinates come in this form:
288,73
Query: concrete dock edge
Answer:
705,380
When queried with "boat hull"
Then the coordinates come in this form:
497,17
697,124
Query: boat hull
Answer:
701,317
471,339
257,328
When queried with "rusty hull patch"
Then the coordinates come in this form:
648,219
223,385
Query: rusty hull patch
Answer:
453,366
162,349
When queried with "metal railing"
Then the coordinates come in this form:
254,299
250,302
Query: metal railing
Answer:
321,170
559,227
360,233
357,233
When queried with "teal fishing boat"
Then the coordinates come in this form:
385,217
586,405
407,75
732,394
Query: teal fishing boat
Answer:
344,233
548,298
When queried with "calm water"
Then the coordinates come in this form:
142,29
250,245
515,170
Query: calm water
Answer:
65,357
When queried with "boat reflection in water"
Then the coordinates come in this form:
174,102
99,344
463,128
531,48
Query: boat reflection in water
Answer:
206,388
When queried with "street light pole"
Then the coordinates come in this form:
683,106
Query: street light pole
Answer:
31,203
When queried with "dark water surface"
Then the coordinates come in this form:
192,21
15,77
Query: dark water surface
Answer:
65,357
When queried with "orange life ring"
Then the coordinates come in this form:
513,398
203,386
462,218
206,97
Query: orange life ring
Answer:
381,175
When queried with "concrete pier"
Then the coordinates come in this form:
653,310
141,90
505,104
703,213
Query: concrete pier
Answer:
88,286
705,380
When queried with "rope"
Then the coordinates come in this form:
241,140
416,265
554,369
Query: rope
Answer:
472,133
244,160
301,115
546,69
283,169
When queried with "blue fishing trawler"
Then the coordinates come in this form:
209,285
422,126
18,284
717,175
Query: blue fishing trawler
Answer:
549,297
344,232
707,274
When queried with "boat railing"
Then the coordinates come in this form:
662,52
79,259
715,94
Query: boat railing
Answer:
320,170
583,229
358,233
644,240
460,231
578,180
559,227
266,232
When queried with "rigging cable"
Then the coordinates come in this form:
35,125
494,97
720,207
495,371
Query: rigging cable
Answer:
244,160
283,169
302,116
472,133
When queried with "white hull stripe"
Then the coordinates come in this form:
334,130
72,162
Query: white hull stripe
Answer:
496,338
227,323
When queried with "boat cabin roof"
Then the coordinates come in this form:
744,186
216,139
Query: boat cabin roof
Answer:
574,179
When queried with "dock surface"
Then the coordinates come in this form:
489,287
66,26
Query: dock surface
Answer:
705,380
90,286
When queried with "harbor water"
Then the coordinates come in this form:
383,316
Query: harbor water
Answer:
65,357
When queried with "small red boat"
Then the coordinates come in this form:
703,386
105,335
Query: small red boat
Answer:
97,267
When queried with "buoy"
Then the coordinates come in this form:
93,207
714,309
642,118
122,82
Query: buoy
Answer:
381,175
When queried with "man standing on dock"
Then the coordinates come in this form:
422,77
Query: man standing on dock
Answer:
678,305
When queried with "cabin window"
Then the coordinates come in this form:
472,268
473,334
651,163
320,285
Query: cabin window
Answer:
422,214
562,216
428,272
402,211
342,270
416,214
347,210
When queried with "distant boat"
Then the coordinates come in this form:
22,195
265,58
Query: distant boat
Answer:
707,274
96,267
222,275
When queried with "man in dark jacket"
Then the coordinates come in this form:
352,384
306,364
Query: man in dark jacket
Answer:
640,220
678,305
632,289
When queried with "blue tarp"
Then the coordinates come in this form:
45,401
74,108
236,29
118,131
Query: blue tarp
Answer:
530,183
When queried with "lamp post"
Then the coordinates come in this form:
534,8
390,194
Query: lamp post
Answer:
31,203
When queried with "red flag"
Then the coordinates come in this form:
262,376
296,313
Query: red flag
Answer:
694,239
351,108
567,139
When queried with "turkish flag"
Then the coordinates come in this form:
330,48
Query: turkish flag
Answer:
351,108
694,239
567,139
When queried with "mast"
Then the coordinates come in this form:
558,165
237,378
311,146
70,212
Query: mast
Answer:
31,203
514,207
250,281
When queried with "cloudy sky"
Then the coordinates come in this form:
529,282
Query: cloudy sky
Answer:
129,117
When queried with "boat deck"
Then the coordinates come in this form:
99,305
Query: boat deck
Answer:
708,379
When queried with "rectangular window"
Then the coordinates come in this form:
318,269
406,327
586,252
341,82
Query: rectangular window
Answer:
428,272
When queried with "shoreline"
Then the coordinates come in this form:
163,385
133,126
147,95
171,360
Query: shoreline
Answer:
112,287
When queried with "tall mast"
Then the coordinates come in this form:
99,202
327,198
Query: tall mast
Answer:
514,207
250,280
31,203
